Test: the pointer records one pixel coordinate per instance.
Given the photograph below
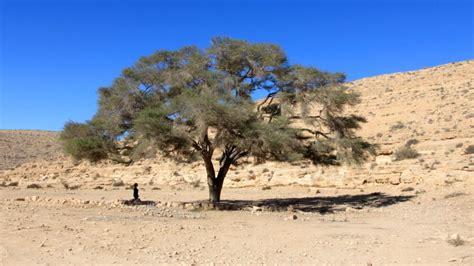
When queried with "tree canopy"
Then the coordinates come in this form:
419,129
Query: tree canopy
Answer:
190,103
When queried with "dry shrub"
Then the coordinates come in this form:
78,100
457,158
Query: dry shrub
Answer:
398,125
195,183
69,187
406,152
469,149
34,186
118,183
454,195
456,241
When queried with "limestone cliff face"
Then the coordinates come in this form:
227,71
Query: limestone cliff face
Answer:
435,106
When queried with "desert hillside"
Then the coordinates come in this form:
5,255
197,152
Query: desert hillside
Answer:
20,146
432,107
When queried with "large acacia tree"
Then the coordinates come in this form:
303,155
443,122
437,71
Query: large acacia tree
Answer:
193,103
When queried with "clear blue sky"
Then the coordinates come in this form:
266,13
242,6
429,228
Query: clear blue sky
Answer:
55,54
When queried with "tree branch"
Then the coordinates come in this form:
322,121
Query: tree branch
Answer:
316,133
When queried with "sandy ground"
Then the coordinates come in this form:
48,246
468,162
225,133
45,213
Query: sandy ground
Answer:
373,225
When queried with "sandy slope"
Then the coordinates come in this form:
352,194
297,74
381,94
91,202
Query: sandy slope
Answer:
21,146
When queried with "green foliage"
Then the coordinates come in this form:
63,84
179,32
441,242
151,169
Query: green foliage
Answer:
191,102
82,141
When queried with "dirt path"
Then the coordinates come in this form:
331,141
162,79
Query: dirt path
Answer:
377,225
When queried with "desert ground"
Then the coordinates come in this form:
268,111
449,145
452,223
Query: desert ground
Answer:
431,226
388,211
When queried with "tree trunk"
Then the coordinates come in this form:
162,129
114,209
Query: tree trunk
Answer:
214,182
215,193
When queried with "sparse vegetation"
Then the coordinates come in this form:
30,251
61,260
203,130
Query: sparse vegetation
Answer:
406,152
454,195
34,186
398,125
469,149
455,240
118,183
13,184
69,187
412,142
195,183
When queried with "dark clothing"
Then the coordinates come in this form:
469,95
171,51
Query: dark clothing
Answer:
135,193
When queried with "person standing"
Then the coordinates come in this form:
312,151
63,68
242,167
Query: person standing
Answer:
135,193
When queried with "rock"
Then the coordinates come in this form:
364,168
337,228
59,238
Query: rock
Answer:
395,180
291,217
34,198
384,159
189,207
385,151
350,209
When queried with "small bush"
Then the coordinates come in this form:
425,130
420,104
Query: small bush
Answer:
411,142
406,152
195,183
34,185
469,149
118,183
65,184
69,187
13,184
459,145
398,125
454,195
455,240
